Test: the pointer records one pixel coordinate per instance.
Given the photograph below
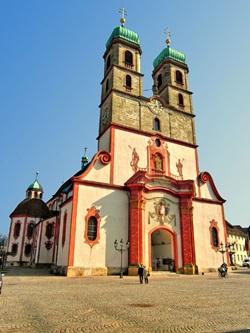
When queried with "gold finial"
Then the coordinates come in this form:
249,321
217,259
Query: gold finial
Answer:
37,174
167,32
123,12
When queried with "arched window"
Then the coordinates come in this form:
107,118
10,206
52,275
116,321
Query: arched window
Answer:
128,58
49,230
128,81
14,249
180,99
179,78
64,228
35,194
156,124
108,62
107,85
159,80
27,250
17,230
92,228
215,237
30,230
29,194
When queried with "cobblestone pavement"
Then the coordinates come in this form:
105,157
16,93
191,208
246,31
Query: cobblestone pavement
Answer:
33,301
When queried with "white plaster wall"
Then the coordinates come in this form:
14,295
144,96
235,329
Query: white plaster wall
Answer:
187,157
13,240
113,206
125,142
203,213
150,223
206,191
104,141
63,251
99,172
45,256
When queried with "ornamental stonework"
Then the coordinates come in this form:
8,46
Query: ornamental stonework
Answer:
161,213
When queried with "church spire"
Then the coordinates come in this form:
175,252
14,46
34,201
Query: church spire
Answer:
85,159
123,12
168,40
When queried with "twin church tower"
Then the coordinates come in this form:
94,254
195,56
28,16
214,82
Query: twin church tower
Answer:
143,186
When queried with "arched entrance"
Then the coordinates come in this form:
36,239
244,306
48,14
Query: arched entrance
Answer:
162,250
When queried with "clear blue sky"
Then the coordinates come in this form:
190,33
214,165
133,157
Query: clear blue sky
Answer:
51,66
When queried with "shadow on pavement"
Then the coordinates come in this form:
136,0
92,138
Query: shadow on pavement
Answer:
25,271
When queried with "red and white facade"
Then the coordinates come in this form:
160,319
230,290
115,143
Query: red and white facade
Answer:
143,185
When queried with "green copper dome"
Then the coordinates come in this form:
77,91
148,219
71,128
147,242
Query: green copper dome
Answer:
169,53
121,32
35,186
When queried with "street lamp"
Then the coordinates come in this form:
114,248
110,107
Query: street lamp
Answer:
222,250
121,249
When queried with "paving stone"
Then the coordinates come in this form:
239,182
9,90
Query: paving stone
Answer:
33,301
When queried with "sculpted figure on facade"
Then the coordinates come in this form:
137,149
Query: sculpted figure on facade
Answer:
179,167
135,159
161,212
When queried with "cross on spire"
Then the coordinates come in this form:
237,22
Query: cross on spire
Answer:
167,32
123,12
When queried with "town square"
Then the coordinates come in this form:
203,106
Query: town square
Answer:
33,301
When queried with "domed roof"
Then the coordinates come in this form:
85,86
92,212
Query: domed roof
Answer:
35,186
169,53
32,207
121,32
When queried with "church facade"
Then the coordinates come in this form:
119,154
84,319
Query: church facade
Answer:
143,186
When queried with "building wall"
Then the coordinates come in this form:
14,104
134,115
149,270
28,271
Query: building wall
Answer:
203,214
113,211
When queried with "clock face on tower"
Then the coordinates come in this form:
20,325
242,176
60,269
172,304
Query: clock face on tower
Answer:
156,106
105,116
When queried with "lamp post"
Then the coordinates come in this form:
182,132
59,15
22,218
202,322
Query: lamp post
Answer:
222,250
121,250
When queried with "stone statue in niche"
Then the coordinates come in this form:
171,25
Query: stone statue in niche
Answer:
158,162
161,213
179,167
135,159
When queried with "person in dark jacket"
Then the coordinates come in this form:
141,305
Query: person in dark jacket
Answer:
140,273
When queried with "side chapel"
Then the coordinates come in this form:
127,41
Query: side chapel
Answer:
142,186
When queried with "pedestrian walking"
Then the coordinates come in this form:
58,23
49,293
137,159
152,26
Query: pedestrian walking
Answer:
1,282
146,274
140,273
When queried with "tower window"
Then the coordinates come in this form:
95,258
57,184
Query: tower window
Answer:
159,80
92,228
180,99
128,59
107,85
128,81
108,62
156,124
179,78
